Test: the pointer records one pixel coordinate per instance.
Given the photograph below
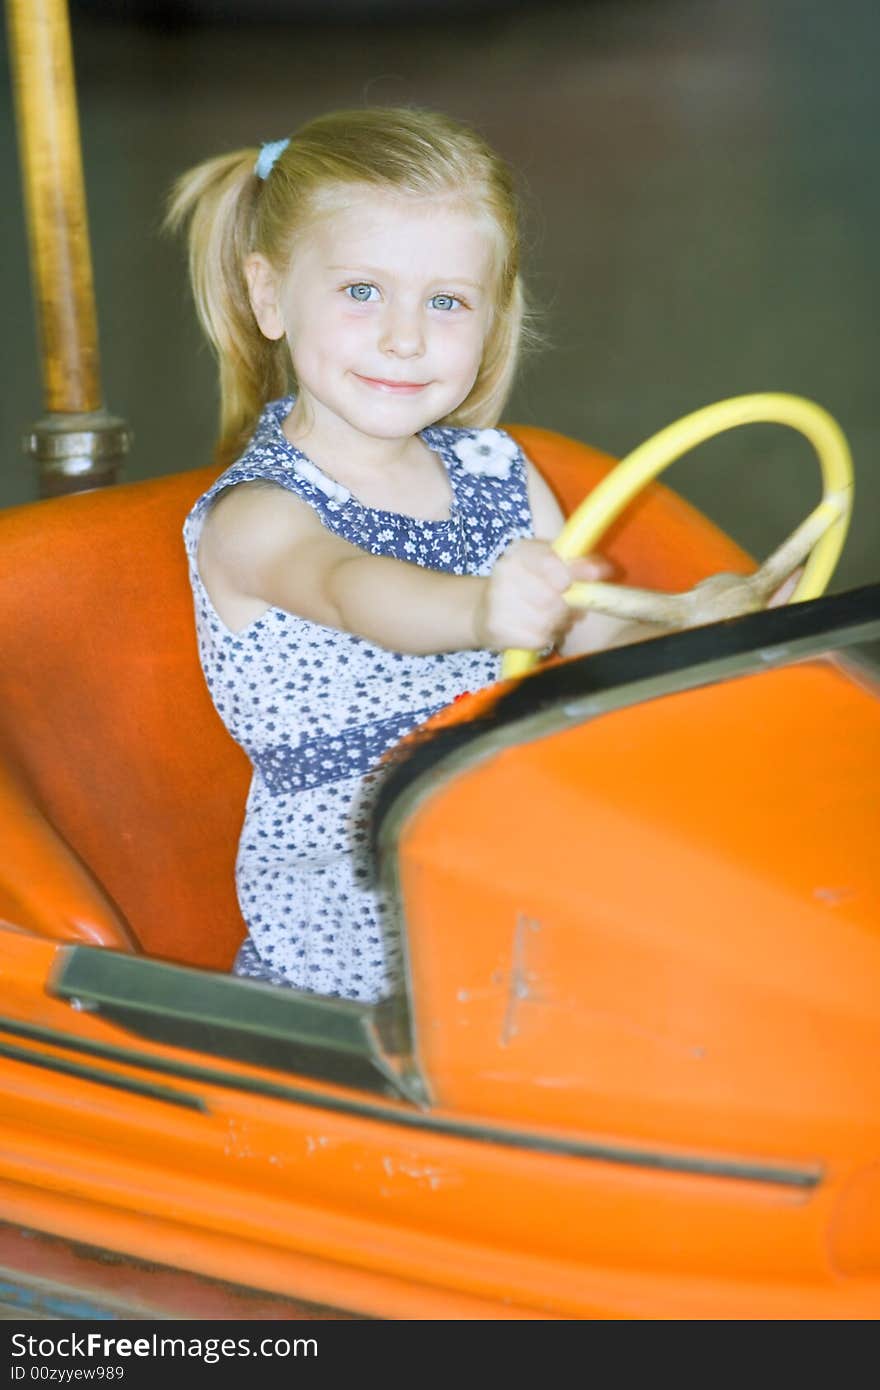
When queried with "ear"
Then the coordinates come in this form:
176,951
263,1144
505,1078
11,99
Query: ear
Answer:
262,283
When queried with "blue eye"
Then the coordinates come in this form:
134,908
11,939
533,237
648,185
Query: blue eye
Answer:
444,301
360,293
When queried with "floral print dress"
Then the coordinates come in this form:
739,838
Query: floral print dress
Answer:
315,709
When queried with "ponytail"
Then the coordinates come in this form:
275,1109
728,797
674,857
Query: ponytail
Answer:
217,198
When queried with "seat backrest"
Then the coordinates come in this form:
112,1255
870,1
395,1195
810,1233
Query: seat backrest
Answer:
105,717
120,777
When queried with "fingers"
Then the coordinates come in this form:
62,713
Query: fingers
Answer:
542,625
540,560
526,607
786,589
594,568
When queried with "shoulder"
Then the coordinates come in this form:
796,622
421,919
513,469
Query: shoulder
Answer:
256,515
253,532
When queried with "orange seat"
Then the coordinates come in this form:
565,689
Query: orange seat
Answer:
121,794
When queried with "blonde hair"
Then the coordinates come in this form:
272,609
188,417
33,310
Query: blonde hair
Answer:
233,213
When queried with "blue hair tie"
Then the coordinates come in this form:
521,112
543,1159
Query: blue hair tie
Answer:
268,155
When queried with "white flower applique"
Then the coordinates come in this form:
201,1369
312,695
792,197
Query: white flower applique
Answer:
488,454
306,469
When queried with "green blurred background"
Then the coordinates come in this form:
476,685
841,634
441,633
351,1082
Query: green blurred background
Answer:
701,205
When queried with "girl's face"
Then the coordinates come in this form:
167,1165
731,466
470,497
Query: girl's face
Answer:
385,306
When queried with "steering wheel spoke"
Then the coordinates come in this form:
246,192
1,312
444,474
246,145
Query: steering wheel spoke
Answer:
638,605
796,547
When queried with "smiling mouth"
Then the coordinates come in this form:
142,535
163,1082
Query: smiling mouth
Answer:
393,387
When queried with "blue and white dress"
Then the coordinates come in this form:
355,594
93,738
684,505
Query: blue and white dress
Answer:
315,709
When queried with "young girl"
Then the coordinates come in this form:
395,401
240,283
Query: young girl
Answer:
371,548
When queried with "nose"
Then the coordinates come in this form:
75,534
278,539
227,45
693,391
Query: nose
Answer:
402,332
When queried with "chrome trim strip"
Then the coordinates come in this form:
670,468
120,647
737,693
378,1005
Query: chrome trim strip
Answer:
803,1176
147,1089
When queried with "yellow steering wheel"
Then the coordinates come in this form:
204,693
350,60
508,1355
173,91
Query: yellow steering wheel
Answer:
820,536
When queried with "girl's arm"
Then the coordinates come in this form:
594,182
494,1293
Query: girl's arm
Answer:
262,547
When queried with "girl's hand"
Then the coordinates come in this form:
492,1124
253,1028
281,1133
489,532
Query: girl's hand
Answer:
522,603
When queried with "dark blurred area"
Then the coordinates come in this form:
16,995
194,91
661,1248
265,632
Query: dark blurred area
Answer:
165,13
700,199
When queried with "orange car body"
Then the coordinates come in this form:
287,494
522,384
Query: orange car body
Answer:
632,1072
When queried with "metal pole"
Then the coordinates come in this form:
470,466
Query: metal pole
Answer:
77,445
